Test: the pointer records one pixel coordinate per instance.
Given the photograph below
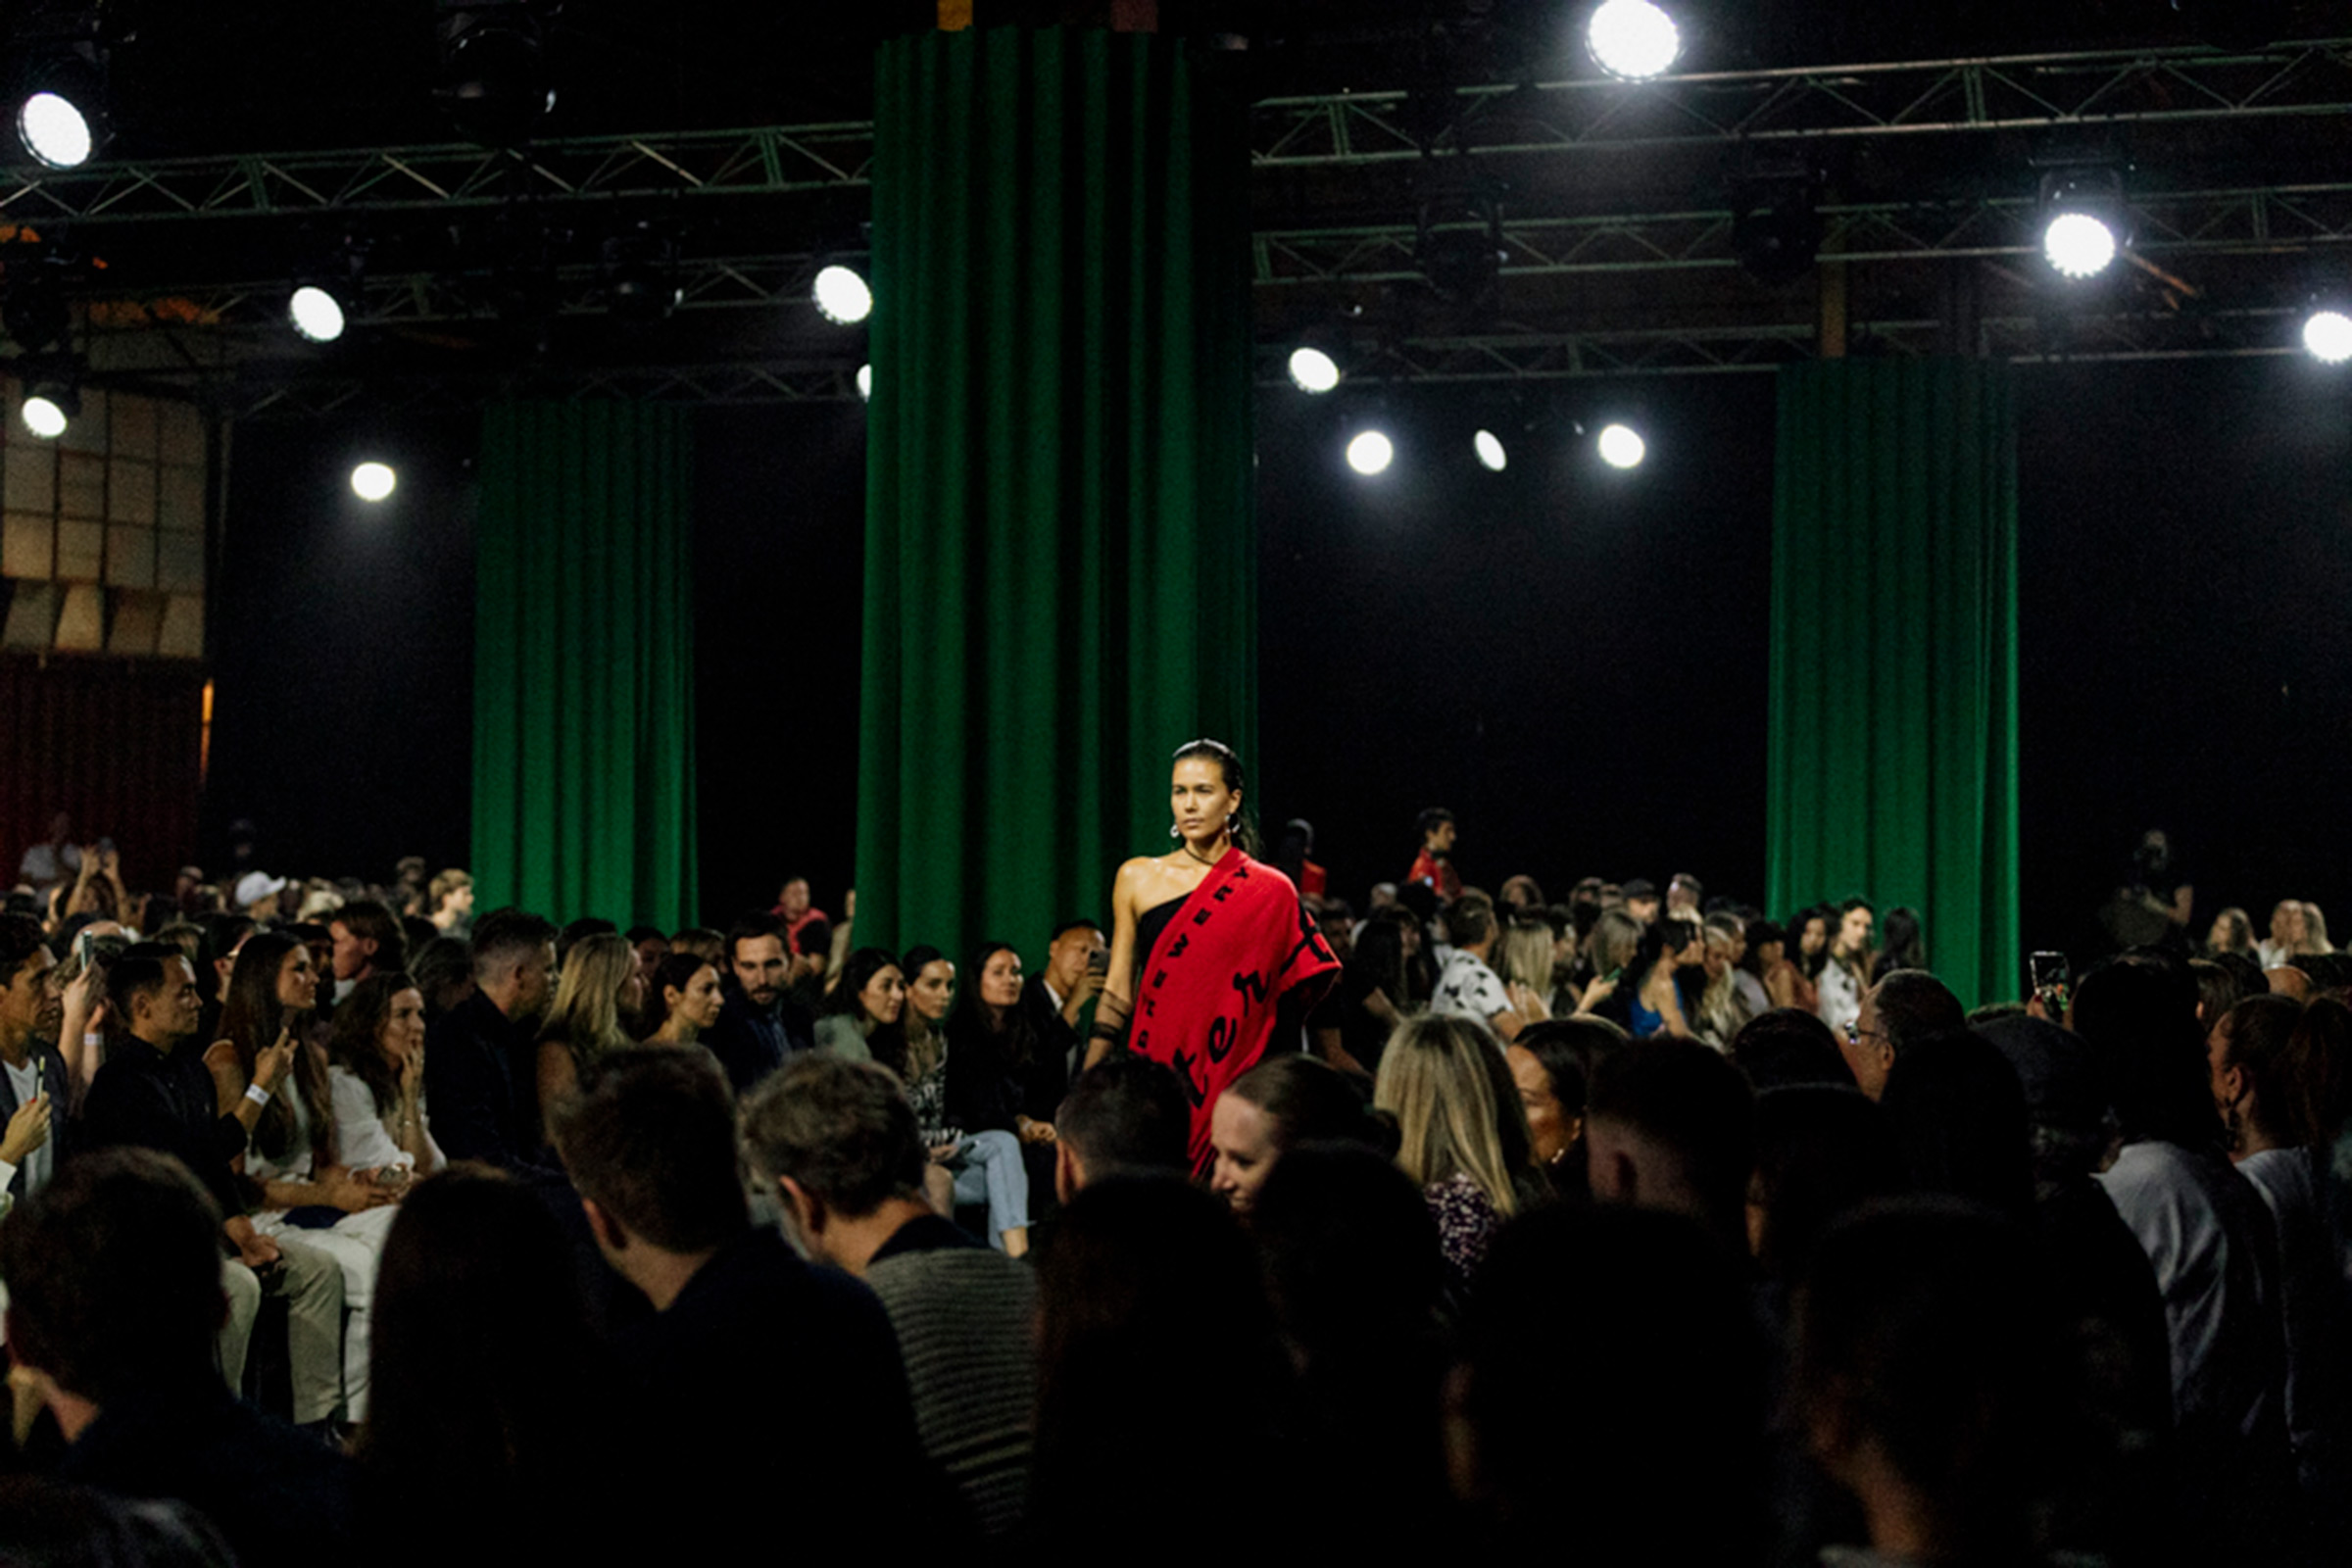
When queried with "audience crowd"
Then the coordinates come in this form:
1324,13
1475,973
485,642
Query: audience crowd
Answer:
342,1223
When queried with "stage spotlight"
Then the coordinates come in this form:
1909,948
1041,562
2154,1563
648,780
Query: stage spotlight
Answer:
842,295
2328,335
865,382
316,314
373,481
1633,39
55,130
2083,217
1622,447
1489,447
1313,371
45,415
2077,245
1371,453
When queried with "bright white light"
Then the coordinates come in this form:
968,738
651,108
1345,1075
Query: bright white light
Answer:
1490,450
2077,245
1313,371
1370,453
865,382
43,417
1622,447
373,481
1633,38
54,131
316,313
843,297
2328,334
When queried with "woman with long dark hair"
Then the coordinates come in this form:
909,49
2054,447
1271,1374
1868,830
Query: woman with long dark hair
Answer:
992,1042
376,1074
863,1019
1223,938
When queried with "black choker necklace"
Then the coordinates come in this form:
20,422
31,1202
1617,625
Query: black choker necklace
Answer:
1197,856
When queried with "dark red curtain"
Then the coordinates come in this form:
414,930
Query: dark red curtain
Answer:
116,743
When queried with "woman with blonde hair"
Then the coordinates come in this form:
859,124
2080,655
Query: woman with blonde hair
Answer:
1435,1080
2315,932
601,983
1527,960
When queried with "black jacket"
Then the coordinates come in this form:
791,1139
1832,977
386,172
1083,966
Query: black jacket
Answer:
143,1099
52,1068
480,1077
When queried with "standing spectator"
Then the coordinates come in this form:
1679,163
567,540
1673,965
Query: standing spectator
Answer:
34,1133
838,1143
55,861
1467,987
479,1059
794,908
1433,867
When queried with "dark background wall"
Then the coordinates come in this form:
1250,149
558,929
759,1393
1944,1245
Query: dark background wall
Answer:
1573,661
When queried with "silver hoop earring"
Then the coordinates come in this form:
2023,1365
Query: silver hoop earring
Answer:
1174,831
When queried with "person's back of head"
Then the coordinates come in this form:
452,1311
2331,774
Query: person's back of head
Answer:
1821,1151
1470,919
1930,1368
1672,1124
114,1278
1913,1005
1351,1251
1597,1344
2065,1092
579,931
1125,1114
1959,1111
505,938
1305,1101
2140,1021
651,1141
703,943
1790,1046
1445,1082
841,1132
2289,1065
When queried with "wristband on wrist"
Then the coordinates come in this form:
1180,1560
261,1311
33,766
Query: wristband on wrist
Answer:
257,1093
92,1037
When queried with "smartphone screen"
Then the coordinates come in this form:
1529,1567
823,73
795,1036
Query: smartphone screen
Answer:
2049,971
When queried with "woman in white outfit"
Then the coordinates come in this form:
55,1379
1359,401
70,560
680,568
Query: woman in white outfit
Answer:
375,1078
307,1198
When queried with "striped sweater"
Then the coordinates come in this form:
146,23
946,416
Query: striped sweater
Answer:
963,1317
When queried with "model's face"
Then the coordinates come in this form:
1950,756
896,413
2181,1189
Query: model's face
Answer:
1243,1137
1001,979
298,980
403,1032
351,952
1199,800
885,995
760,969
932,991
1553,1129
1853,932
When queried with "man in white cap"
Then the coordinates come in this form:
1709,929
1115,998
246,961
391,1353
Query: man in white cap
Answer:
257,894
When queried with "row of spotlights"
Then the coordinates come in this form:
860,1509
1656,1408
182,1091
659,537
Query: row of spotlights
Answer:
1371,451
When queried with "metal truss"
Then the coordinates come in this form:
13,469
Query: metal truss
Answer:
2025,92
254,392
766,160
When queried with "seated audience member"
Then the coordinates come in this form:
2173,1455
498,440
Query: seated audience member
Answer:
1354,1276
1599,1340
1647,1001
1377,990
651,1144
479,1060
1467,987
794,908
1933,1380
1525,955
376,1079
443,970
703,943
1907,1006
1671,1124
1959,1112
368,940
153,1092
342,1211
759,1026
1435,1080
1790,1046
1844,973
1719,1011
2212,1248
1077,963
2232,931
2217,990
449,898
1001,1074
2288,981
1821,1152
681,1001
1276,1106
864,1018
1153,1338
1902,943
576,932
114,1308
838,1143
651,946
36,1135
1551,1065
488,1441
598,996
2281,1072
1125,1115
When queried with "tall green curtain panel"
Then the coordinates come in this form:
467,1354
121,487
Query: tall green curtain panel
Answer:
1059,581
583,668
1892,753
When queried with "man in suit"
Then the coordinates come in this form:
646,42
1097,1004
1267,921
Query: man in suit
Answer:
32,1075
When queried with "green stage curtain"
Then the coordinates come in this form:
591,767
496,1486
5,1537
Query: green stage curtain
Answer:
1060,582
583,670
1892,757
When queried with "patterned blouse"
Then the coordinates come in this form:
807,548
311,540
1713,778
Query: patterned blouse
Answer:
928,1094
1467,1220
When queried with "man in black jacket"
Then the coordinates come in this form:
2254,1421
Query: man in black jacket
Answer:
115,1299
480,1075
760,1025
32,1075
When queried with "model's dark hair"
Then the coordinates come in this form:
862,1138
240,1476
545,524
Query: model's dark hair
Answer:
1243,827
352,1044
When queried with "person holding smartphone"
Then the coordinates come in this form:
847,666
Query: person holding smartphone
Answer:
1077,961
